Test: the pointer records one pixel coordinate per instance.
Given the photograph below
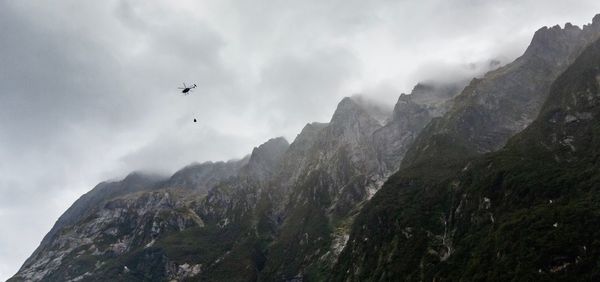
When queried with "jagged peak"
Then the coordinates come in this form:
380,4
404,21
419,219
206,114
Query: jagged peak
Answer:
571,26
403,98
309,130
345,108
265,158
422,86
546,36
273,144
350,107
594,25
277,141
306,136
346,103
430,93
268,152
313,126
195,165
140,176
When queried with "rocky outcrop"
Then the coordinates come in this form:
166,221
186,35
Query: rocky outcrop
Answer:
526,212
202,177
264,160
502,103
120,226
322,178
411,114
294,211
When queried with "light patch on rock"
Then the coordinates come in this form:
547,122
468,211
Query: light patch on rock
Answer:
559,268
487,203
187,271
407,232
374,187
150,244
466,167
568,141
339,243
194,216
223,222
120,246
570,118
80,277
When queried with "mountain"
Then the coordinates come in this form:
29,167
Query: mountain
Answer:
210,219
526,212
315,209
55,246
411,114
492,109
202,177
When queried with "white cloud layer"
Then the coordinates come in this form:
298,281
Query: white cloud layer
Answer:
88,90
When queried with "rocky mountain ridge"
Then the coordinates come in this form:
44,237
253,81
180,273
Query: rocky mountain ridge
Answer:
118,222
311,210
492,109
526,212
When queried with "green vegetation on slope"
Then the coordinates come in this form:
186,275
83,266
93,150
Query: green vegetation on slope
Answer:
528,212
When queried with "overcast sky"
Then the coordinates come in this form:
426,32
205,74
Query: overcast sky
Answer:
88,89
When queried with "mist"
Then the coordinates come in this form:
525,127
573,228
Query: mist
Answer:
89,92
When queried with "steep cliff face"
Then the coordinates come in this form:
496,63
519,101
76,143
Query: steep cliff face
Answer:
436,96
492,109
145,228
49,255
202,177
295,161
338,170
313,209
411,114
329,172
264,160
528,212
282,199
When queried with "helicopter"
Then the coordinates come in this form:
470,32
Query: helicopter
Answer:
186,89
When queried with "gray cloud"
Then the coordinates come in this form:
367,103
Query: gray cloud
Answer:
88,92
295,87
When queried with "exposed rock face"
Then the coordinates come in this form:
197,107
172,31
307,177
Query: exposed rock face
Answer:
436,97
492,109
265,159
40,264
286,211
411,114
295,161
321,179
337,169
526,212
122,225
202,177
